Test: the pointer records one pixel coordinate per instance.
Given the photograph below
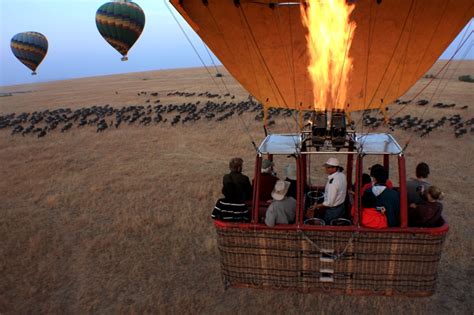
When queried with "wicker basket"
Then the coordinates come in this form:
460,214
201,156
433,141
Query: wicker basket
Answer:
334,259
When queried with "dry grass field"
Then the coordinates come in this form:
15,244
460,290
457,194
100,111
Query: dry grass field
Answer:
118,221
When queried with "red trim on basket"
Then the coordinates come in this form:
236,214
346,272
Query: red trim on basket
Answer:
329,228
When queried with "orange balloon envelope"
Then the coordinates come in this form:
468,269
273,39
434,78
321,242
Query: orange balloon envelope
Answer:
263,45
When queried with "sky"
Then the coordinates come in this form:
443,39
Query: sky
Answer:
76,49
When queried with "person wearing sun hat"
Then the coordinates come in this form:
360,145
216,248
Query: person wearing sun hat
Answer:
334,192
282,210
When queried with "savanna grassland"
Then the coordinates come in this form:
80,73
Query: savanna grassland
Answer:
118,221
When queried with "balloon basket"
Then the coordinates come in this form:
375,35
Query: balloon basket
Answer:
339,257
124,58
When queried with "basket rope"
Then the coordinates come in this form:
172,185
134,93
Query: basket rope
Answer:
335,255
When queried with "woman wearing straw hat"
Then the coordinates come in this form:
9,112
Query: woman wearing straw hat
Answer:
282,210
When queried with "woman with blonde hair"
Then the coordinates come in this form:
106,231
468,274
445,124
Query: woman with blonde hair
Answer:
427,213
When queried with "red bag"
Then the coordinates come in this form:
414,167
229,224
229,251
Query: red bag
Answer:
372,218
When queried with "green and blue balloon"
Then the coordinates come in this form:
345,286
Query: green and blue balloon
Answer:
30,48
121,24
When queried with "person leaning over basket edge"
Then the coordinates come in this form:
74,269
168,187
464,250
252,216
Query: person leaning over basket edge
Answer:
334,192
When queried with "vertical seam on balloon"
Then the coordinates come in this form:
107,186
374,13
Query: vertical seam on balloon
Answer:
403,60
225,42
244,31
443,12
293,62
266,66
405,23
346,51
393,53
263,59
257,52
366,67
289,66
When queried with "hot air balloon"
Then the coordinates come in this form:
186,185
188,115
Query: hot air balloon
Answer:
262,44
268,47
30,48
120,23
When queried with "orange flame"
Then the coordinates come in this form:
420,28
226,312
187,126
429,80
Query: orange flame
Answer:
329,40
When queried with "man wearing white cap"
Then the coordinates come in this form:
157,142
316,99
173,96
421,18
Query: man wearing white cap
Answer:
335,191
282,210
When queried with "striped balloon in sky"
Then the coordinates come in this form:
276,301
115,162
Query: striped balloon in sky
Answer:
30,48
120,23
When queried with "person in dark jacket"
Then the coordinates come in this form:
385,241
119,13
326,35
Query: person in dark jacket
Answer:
386,197
427,213
236,190
236,186
231,208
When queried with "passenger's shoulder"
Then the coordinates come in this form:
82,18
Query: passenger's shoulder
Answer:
393,192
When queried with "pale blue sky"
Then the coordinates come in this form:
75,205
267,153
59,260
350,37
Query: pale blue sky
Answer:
76,48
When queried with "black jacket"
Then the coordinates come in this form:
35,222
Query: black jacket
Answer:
236,187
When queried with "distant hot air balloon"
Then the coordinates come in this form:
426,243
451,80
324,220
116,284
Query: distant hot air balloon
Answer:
120,23
30,48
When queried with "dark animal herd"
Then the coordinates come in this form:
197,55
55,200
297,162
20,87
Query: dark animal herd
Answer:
424,126
211,107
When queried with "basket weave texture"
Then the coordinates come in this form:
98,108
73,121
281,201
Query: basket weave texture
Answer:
348,262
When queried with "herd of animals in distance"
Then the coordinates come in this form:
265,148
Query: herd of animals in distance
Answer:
210,107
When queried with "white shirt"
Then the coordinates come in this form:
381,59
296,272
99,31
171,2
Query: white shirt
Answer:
336,190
